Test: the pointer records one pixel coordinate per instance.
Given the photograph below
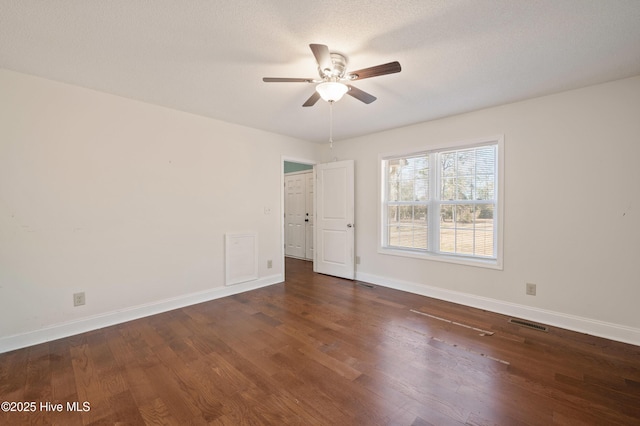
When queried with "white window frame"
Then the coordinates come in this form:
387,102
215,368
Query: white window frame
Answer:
434,184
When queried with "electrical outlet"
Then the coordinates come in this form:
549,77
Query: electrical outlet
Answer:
531,289
269,264
357,260
78,299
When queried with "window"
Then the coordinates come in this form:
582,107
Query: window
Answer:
444,203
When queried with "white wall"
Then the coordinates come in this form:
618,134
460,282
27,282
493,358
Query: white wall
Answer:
572,217
129,203
126,201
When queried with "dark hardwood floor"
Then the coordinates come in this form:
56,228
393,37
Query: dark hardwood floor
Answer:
318,350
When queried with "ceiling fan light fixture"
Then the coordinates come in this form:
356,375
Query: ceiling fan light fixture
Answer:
334,80
331,91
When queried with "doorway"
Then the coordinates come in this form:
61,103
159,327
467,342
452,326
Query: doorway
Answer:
298,211
298,214
332,243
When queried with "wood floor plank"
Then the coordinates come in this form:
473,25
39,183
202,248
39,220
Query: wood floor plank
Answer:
320,350
157,413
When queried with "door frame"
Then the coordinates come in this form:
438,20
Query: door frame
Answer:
282,196
304,174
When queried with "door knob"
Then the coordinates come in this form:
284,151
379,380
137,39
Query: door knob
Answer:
349,225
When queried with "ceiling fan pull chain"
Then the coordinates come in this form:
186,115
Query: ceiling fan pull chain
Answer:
330,124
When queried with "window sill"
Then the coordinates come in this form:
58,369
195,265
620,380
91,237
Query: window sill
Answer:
460,260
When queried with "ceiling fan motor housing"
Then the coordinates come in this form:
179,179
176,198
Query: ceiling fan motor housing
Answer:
339,63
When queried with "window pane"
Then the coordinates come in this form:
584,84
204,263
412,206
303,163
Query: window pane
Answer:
407,226
484,216
394,235
464,188
466,165
396,170
457,175
464,216
421,190
464,241
485,187
467,229
484,243
392,215
468,174
448,164
406,190
420,215
420,237
486,160
421,165
406,214
448,188
393,188
408,179
446,214
447,229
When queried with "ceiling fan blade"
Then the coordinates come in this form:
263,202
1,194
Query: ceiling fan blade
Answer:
361,95
323,57
286,80
390,68
312,100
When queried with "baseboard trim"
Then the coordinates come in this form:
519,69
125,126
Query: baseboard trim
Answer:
579,324
95,322
617,332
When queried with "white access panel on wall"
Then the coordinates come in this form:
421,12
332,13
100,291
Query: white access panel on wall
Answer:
241,257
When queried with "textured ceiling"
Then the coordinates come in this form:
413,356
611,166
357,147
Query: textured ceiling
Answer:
209,57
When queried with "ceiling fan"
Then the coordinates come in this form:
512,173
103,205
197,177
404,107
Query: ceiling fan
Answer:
334,79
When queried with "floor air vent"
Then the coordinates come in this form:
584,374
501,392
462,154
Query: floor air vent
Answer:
529,324
364,285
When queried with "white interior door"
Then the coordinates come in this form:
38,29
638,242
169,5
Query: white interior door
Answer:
309,214
334,248
294,220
